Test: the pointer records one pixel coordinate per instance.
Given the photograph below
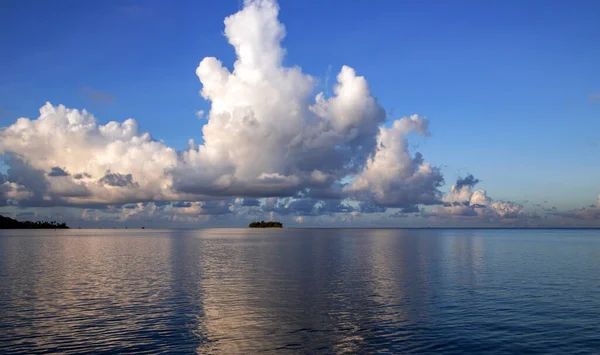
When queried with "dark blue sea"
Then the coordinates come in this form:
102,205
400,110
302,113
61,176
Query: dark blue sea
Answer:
300,291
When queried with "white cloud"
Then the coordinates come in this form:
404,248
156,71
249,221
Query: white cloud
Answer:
507,209
92,158
392,176
458,194
480,197
267,134
463,201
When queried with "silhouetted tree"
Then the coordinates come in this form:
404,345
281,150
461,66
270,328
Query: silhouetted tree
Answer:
9,223
263,224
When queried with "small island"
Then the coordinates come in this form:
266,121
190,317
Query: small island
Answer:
263,224
9,223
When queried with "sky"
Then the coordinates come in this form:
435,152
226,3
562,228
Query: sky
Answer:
337,114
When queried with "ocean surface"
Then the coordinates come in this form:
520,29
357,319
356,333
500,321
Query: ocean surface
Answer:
306,291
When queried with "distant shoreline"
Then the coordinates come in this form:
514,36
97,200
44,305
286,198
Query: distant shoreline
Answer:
9,223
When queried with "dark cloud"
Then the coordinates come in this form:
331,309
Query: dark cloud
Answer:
476,205
118,180
36,182
333,206
469,181
410,209
286,206
4,189
456,203
331,192
187,184
250,202
57,171
81,176
405,212
305,206
129,207
182,204
20,172
216,207
370,207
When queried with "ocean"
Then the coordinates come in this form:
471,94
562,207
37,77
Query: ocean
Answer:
306,291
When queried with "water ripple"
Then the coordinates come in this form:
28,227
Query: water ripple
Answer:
299,291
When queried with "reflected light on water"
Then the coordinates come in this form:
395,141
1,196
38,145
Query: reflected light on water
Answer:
308,291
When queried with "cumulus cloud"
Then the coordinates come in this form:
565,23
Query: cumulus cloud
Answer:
118,180
292,143
479,198
392,177
63,140
268,134
462,201
56,171
507,209
461,193
469,181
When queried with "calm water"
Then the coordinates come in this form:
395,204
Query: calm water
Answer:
331,291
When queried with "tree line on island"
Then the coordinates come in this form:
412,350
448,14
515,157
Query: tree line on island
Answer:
9,223
263,224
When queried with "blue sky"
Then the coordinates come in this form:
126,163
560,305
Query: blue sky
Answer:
508,87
